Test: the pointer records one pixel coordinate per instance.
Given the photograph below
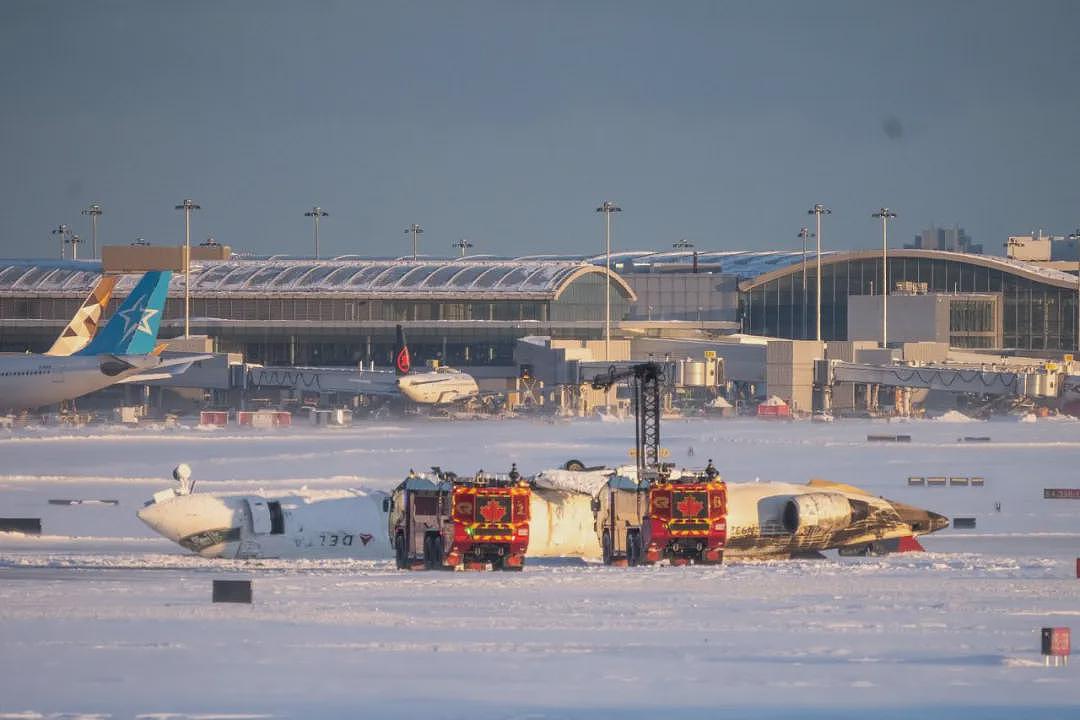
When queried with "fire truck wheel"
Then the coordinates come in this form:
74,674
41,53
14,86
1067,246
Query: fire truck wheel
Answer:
399,552
606,549
432,551
633,548
436,552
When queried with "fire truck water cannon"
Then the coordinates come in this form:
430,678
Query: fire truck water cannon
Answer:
443,520
660,514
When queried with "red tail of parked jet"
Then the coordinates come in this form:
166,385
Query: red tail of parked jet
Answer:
402,361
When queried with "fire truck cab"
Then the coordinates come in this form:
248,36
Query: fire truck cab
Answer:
443,521
678,516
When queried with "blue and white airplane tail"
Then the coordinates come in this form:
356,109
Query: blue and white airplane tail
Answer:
133,328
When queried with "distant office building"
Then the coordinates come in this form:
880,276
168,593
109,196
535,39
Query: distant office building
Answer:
1038,247
952,239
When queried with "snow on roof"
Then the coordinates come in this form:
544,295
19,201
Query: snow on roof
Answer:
538,275
459,277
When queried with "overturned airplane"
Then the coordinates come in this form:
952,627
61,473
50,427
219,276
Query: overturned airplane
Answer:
762,520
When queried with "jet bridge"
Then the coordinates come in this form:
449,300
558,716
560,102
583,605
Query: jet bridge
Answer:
325,379
1027,382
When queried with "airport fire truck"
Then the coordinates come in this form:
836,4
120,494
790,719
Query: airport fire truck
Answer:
659,513
445,521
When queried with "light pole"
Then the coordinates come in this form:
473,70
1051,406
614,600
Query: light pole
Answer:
804,233
93,211
315,213
74,240
819,210
462,244
187,206
1075,237
884,213
63,231
607,208
415,230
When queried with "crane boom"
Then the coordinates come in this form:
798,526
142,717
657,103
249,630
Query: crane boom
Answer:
645,384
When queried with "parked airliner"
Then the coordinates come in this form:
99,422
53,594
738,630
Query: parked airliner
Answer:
122,352
440,386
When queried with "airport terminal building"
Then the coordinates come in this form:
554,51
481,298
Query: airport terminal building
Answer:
338,312
471,311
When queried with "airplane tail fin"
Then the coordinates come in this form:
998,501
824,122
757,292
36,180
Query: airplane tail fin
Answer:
86,321
402,360
133,328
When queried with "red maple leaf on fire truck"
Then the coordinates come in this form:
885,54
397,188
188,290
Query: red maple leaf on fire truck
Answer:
493,511
690,506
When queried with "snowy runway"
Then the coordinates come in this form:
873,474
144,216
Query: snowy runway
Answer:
99,617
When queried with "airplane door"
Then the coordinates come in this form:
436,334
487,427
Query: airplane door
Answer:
260,516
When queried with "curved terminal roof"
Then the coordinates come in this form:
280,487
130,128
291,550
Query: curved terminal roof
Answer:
466,277
754,267
529,276
1031,271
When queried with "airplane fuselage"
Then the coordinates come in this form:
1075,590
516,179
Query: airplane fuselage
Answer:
438,387
352,524
31,381
333,524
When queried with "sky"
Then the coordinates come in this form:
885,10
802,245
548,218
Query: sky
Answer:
508,123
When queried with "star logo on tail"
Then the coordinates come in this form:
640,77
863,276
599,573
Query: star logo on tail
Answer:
137,319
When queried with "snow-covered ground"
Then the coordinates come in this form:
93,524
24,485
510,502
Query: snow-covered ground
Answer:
100,617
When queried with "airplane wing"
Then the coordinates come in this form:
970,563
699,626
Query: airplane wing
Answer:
830,485
179,366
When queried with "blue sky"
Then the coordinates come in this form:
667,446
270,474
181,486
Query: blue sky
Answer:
509,122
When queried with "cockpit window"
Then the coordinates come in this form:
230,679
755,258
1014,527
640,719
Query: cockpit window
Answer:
277,519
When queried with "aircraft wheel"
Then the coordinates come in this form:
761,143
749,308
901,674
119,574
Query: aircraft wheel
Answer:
633,548
606,549
399,552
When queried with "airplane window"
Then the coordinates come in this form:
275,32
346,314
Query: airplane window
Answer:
277,518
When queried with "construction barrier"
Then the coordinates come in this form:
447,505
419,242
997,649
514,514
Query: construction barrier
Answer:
1056,643
888,438
938,481
83,502
214,418
1061,493
264,418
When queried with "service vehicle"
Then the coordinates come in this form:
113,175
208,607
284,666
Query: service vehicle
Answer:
443,520
657,513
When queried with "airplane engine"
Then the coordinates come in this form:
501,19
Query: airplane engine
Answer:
817,511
